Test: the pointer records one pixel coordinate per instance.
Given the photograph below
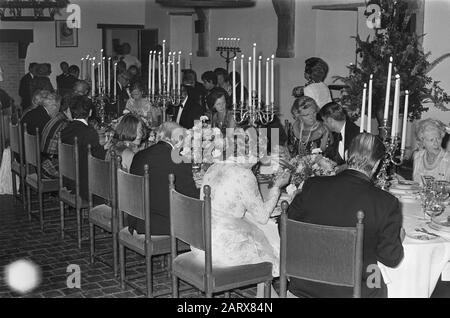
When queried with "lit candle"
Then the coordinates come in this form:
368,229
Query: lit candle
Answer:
164,62
150,71
272,94
396,106
250,75
388,91
153,72
234,83
93,79
168,73
267,84
242,80
363,108
99,75
159,73
190,61
173,72
253,91
82,68
405,121
103,74
115,80
179,72
88,64
369,106
109,75
259,82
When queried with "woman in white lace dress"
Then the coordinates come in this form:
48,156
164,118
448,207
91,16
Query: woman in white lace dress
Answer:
432,159
142,107
238,212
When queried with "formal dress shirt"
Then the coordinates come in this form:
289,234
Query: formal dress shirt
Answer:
342,143
180,111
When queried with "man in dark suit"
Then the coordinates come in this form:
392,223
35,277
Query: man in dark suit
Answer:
159,159
344,131
65,72
67,83
24,86
335,200
116,110
38,117
190,108
81,108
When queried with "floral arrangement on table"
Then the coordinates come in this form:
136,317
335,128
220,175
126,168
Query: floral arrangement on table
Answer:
304,167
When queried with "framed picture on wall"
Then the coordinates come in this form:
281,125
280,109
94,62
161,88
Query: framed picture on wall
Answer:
65,36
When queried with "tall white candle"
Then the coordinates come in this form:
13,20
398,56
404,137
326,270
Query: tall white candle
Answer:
190,61
272,94
363,108
115,80
153,72
150,71
234,83
82,68
259,82
168,74
103,74
99,75
396,106
164,62
253,91
173,72
388,91
159,73
88,64
242,80
93,79
179,72
267,84
405,120
109,75
250,89
369,106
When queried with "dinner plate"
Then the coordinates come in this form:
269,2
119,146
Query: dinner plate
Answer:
419,236
441,222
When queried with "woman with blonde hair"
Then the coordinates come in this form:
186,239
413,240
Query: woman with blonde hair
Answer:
431,159
308,132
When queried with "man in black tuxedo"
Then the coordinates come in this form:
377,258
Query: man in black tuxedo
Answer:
67,83
159,159
47,108
343,129
65,72
190,108
25,86
116,110
81,108
335,200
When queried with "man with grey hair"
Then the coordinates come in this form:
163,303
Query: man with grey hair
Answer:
159,160
47,108
81,88
335,200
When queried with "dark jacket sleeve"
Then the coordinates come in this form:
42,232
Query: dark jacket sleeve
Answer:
390,248
185,181
97,150
295,208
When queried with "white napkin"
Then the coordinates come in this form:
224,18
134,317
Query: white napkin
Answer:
446,273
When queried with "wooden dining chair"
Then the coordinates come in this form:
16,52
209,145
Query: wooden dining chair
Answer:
102,184
190,222
17,160
68,159
33,179
325,254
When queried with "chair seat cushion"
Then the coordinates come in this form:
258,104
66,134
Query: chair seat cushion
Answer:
68,197
48,185
136,242
190,268
101,216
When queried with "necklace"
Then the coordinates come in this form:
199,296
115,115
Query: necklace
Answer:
434,163
310,131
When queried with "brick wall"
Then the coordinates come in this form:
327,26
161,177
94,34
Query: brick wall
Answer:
13,69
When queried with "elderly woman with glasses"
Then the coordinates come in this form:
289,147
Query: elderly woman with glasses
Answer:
432,159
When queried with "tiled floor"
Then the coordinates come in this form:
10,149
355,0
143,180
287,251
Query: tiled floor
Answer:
23,239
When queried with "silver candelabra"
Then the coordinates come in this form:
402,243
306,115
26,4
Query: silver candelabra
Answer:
163,98
255,112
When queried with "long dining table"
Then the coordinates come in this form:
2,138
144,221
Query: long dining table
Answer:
424,261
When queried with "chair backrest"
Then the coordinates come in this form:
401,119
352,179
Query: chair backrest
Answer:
15,140
5,119
32,148
133,195
68,159
319,253
189,216
100,176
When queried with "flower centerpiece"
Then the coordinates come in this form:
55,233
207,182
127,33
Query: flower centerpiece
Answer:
304,167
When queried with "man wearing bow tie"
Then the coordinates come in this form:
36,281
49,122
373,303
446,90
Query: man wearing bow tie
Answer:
190,108
344,131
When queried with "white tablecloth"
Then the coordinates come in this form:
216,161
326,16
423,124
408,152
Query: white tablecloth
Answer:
424,261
